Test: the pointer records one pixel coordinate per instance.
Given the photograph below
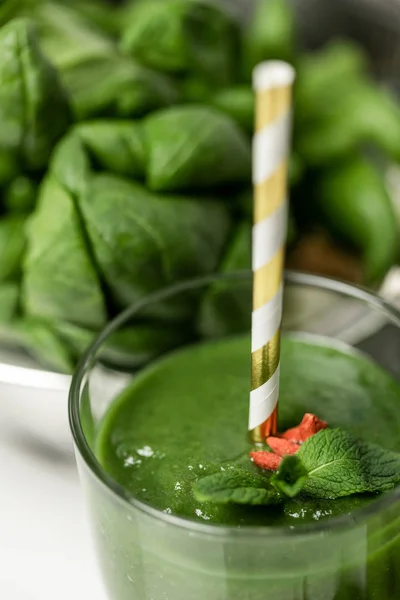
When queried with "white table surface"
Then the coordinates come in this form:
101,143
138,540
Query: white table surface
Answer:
45,546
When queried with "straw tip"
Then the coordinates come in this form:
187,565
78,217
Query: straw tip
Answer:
273,74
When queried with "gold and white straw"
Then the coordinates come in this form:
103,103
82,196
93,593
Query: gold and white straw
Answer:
272,82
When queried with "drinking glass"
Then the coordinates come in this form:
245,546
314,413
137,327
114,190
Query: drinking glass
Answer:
145,554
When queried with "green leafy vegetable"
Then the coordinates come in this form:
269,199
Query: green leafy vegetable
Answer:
226,306
236,486
330,464
43,344
171,238
238,103
34,111
104,230
67,38
9,295
74,337
340,465
339,110
324,75
174,149
38,339
116,146
60,281
9,9
12,246
186,143
116,86
140,343
177,36
270,35
290,477
20,195
127,348
74,37
113,237
352,196
97,13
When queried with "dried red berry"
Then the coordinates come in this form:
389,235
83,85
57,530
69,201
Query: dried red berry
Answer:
287,442
282,447
266,460
294,435
310,425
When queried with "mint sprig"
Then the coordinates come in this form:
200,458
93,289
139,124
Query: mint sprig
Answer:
291,476
328,465
340,465
236,486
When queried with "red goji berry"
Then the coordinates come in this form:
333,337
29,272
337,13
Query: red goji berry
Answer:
310,425
293,435
266,460
282,447
287,442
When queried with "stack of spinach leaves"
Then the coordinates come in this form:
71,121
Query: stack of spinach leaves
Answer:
125,162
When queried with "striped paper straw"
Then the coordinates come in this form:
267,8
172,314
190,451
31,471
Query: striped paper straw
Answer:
272,82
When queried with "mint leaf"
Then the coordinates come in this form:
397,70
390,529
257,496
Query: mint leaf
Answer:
340,465
236,486
290,477
329,464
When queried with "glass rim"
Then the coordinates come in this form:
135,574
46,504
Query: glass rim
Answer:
84,365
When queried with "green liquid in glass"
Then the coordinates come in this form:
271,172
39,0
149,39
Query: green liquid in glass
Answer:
158,438
184,417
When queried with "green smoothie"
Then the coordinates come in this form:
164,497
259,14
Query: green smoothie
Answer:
156,440
185,417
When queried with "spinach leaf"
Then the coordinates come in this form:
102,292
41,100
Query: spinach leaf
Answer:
270,34
20,195
98,13
195,147
12,246
98,80
325,79
178,36
70,165
116,86
34,111
130,347
60,281
238,103
340,193
117,146
226,306
39,340
9,296
66,37
140,343
43,345
75,337
143,241
11,9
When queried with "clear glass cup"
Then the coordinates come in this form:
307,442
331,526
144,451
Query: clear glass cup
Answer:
145,554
